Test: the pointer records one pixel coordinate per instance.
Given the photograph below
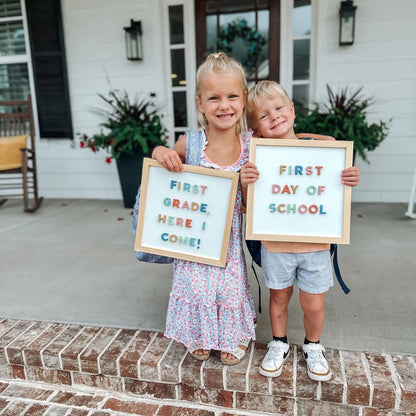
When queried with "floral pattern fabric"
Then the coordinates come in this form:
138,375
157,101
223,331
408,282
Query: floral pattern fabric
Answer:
211,307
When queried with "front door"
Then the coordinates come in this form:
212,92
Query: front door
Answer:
248,30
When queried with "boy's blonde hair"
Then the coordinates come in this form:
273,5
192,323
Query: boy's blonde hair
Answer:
264,90
219,63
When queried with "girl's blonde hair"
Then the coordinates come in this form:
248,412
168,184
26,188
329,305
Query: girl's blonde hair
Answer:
269,90
221,63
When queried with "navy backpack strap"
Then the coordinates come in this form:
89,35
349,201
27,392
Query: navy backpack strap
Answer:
334,252
258,283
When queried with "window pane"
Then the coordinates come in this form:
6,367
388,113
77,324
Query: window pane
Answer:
211,33
177,59
301,96
12,38
210,6
263,59
301,59
238,48
10,8
240,5
179,108
176,25
302,18
14,82
264,4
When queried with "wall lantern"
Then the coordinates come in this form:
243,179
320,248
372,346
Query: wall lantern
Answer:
134,47
347,22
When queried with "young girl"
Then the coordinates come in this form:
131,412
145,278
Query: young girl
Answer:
211,308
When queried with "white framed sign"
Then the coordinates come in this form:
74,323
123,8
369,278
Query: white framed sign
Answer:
186,215
299,195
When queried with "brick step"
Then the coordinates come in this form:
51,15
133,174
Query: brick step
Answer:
145,363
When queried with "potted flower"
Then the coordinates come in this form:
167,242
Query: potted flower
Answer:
344,116
131,129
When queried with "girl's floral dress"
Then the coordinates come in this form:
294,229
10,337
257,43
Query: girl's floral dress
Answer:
211,307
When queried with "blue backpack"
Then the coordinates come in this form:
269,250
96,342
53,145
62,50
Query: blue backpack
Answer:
194,143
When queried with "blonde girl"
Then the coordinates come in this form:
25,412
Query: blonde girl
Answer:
211,308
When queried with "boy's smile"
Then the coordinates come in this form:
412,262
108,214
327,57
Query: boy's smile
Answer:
274,118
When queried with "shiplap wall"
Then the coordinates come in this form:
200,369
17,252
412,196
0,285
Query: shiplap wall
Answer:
96,61
383,60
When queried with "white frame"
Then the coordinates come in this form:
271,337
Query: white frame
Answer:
262,224
190,67
24,58
158,229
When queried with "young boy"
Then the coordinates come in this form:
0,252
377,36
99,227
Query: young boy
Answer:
271,114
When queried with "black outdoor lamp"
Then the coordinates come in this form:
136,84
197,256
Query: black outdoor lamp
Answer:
134,46
347,22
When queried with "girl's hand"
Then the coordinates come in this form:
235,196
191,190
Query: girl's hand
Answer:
248,174
350,176
168,158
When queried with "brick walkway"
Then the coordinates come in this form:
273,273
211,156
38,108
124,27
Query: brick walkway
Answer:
141,372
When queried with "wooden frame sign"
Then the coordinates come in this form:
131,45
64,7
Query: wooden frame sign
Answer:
299,195
186,215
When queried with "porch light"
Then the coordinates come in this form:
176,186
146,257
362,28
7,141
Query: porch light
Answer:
347,22
133,38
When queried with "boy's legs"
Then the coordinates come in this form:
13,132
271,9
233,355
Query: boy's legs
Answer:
278,351
313,306
278,310
314,279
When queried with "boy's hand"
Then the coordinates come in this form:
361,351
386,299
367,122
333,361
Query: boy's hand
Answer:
168,158
248,174
350,176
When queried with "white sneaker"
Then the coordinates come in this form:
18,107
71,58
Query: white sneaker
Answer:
272,364
316,363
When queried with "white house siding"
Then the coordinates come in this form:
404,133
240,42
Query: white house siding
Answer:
96,61
383,60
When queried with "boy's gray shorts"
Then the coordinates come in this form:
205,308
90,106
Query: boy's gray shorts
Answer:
312,271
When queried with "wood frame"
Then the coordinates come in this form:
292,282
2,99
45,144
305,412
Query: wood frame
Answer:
342,236
149,223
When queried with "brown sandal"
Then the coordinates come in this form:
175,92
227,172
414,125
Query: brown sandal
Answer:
237,352
197,346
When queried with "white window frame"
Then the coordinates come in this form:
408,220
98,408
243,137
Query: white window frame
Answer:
286,49
23,58
190,67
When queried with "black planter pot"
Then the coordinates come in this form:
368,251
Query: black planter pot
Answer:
130,174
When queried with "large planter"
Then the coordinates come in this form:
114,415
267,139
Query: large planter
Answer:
130,174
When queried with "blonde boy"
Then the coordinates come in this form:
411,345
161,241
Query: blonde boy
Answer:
271,114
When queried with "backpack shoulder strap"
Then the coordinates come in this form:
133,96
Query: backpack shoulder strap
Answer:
194,144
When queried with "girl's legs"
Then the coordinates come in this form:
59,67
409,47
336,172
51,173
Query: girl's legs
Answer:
278,310
313,306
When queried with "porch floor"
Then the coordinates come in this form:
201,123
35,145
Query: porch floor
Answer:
73,262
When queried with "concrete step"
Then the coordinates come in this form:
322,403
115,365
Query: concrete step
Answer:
148,365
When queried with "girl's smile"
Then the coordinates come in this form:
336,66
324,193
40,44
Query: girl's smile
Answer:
222,100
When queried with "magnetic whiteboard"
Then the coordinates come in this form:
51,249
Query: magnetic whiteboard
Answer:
187,214
299,195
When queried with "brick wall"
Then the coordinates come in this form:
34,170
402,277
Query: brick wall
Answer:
145,363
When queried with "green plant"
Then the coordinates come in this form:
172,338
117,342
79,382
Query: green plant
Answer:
130,126
344,116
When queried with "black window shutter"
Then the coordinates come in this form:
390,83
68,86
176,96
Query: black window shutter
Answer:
49,67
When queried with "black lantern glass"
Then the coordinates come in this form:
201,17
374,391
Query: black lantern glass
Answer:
133,37
347,22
